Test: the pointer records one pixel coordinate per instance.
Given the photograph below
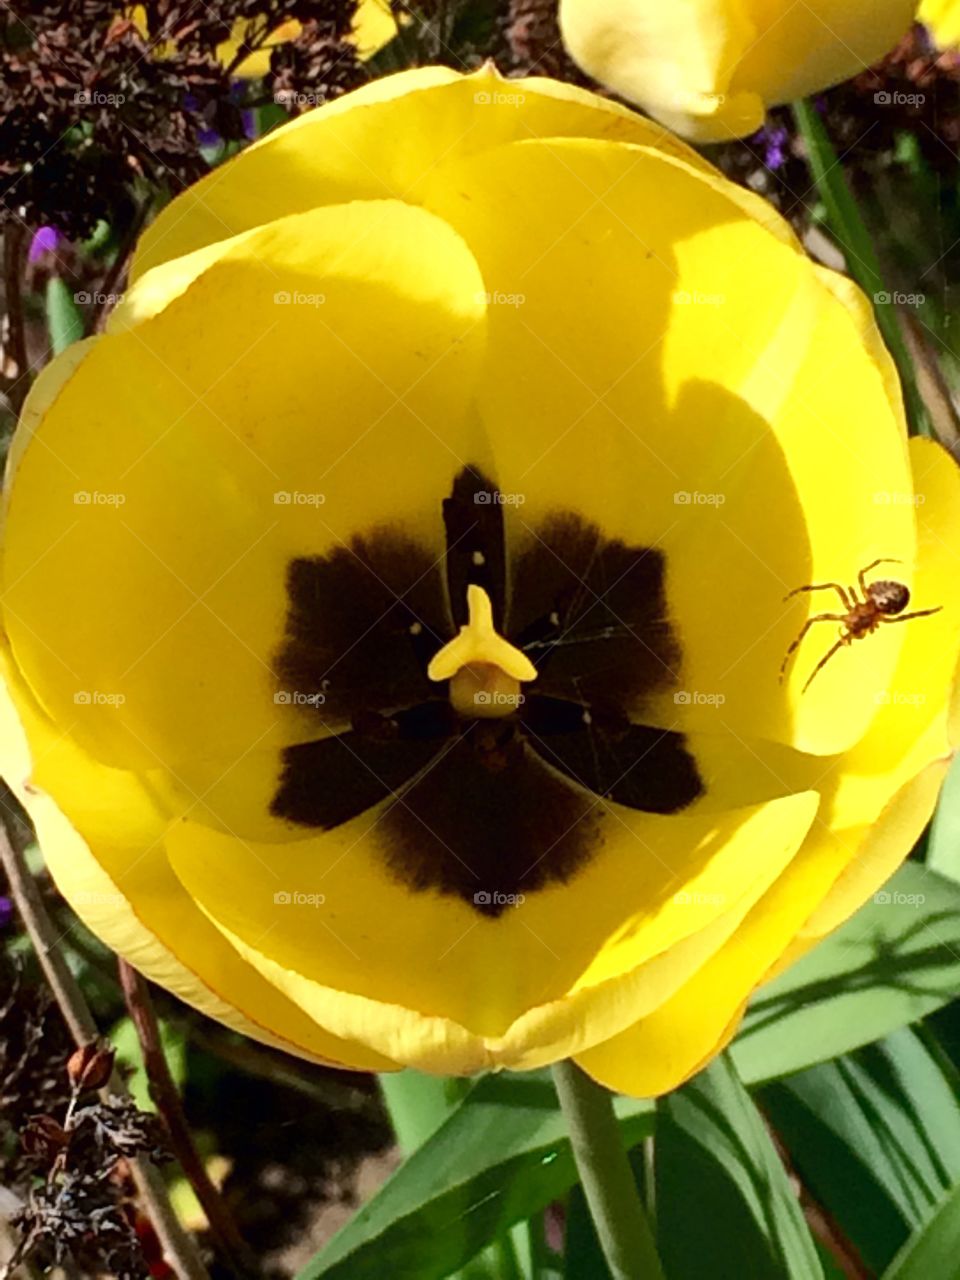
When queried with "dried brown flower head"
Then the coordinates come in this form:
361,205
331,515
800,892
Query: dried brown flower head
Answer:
320,64
91,101
89,1067
61,1146
34,1047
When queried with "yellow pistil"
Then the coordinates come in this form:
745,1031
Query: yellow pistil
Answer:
484,670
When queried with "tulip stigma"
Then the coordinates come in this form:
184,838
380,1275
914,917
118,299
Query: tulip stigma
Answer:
484,670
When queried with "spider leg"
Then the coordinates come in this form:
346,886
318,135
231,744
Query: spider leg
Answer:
864,572
820,617
824,586
921,613
823,662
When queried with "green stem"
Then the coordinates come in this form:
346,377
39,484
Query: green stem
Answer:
849,227
606,1176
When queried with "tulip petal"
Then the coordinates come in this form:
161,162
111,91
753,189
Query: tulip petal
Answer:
165,532
550,1031
710,68
256,64
726,418
806,47
387,140
911,731
859,838
125,891
677,59
943,19
344,922
374,26
661,1051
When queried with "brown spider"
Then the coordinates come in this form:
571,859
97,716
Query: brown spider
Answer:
883,601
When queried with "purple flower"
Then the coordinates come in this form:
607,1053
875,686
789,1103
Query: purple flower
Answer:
774,142
6,912
46,240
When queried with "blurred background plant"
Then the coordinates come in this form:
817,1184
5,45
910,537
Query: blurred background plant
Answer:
853,1158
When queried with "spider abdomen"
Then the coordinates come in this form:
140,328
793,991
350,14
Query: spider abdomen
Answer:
888,597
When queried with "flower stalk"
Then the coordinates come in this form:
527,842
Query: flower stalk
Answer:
13,249
606,1176
164,1092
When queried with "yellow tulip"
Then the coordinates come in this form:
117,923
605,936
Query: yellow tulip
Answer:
373,27
709,69
255,64
393,596
943,19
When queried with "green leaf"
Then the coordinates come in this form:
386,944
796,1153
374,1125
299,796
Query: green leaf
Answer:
501,1157
894,962
418,1104
582,1255
270,116
848,226
933,1253
832,1269
99,239
875,1136
64,317
943,845
713,1152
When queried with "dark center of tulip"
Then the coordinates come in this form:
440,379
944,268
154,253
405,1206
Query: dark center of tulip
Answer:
490,714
